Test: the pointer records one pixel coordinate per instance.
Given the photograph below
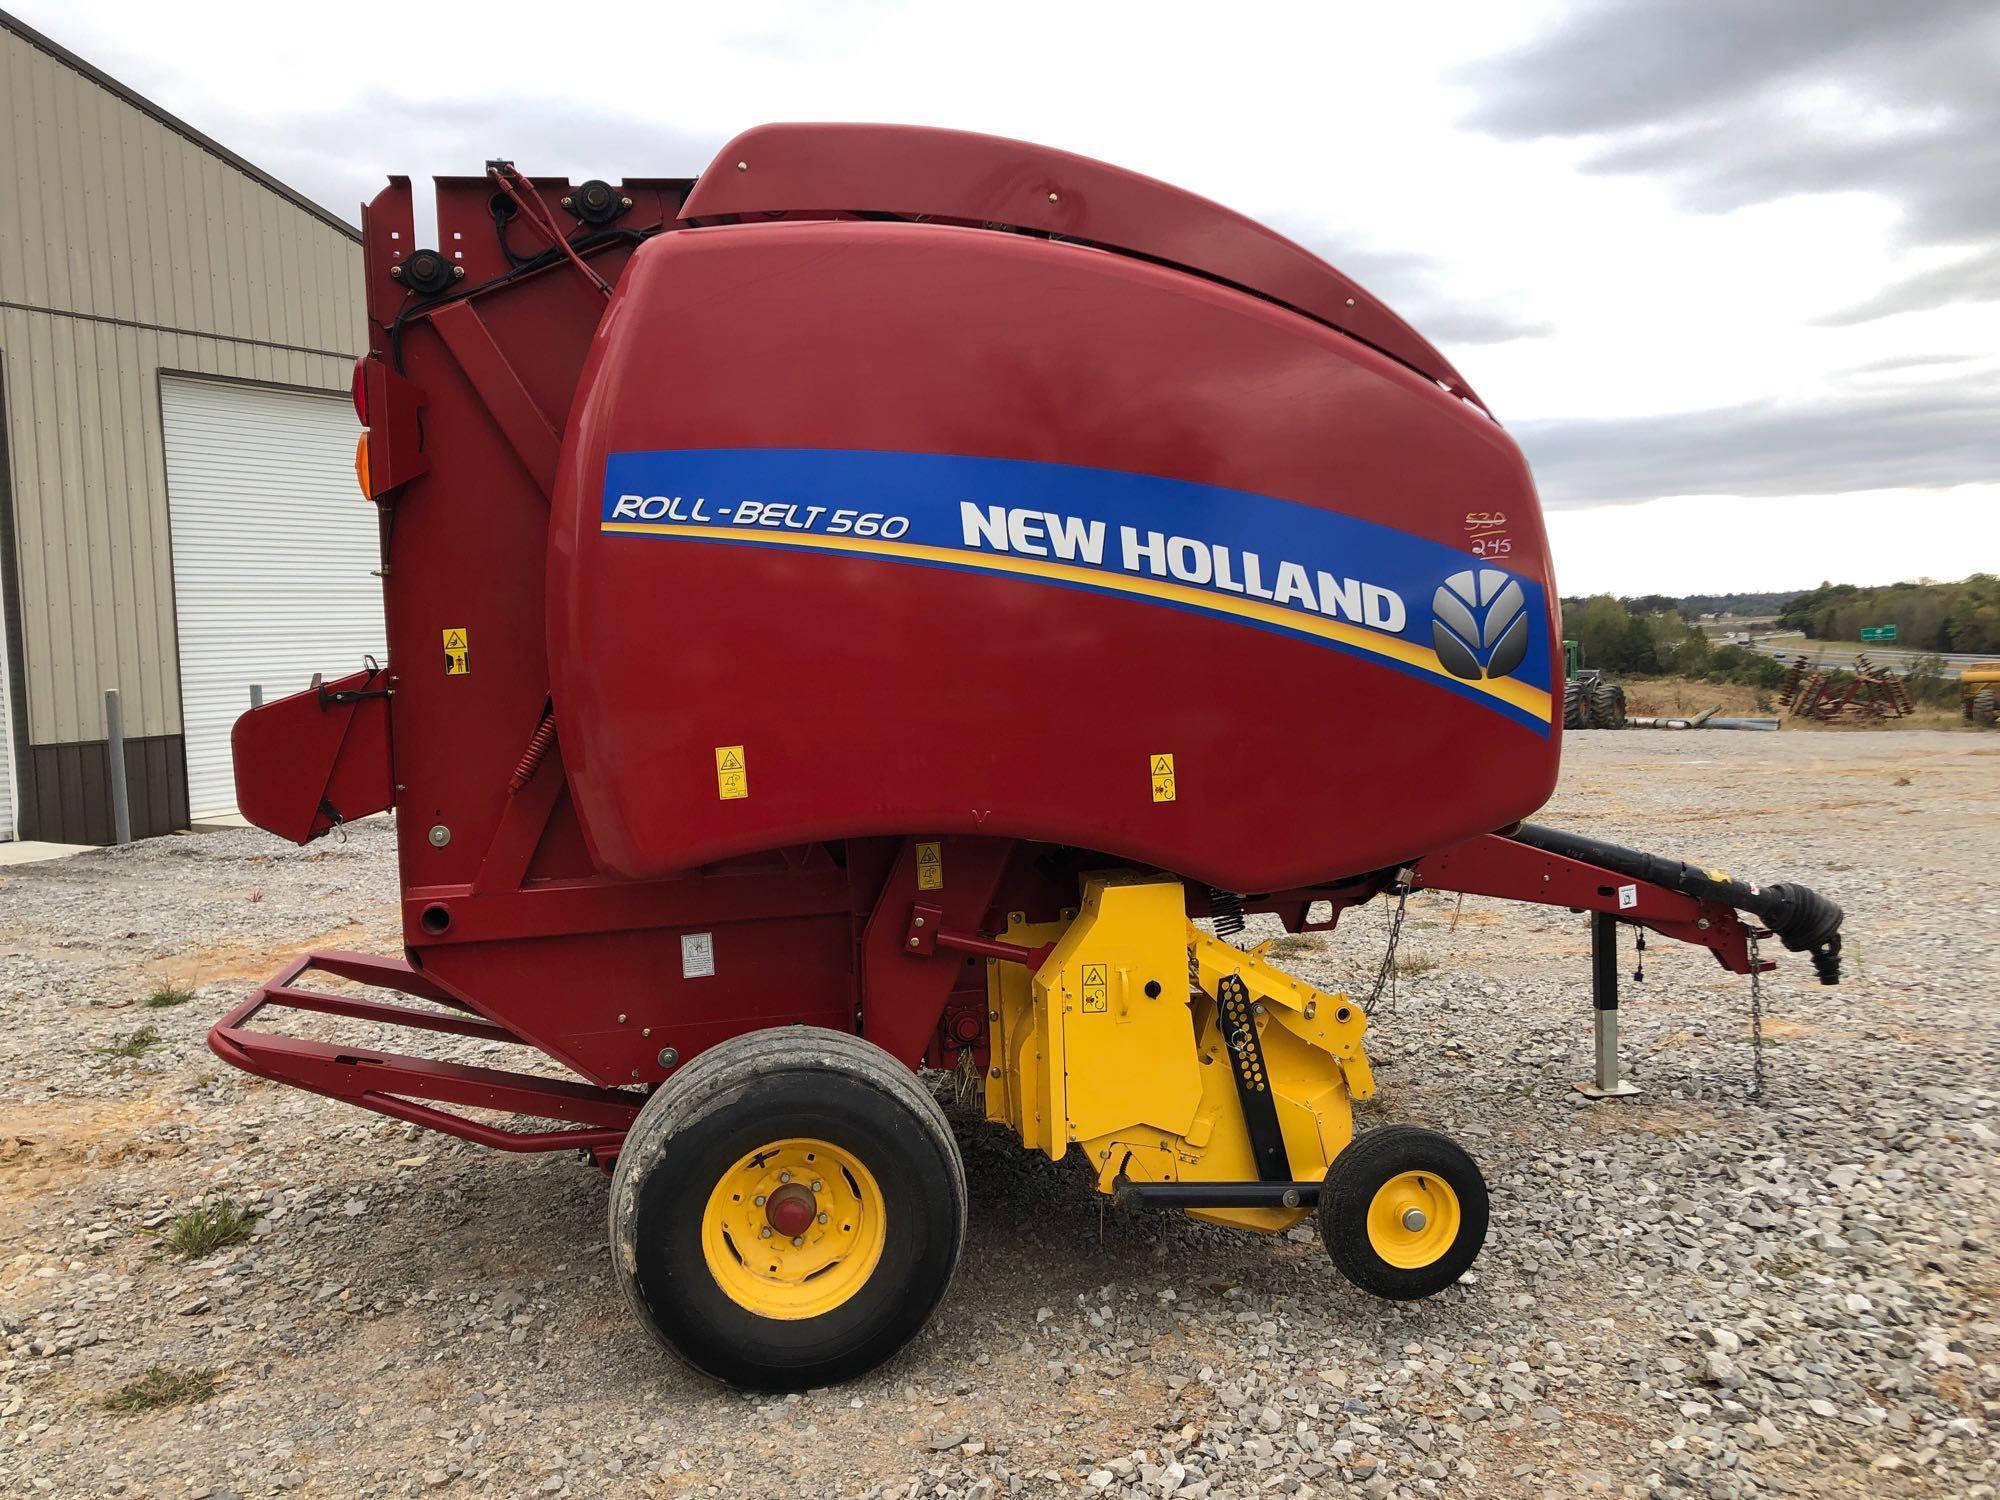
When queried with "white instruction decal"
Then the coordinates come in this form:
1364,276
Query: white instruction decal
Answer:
697,955
1628,896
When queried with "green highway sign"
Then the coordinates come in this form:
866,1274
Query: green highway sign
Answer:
1878,632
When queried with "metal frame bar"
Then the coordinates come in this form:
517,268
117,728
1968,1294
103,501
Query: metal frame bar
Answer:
526,427
1274,1194
393,1083
1498,866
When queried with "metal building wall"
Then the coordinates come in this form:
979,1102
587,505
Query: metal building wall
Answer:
128,247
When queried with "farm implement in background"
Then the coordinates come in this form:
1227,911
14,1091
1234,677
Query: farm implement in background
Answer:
1868,692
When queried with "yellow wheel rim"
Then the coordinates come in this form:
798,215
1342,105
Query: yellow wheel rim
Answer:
794,1229
1413,1219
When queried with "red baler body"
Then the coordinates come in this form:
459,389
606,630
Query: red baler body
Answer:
1150,519
753,389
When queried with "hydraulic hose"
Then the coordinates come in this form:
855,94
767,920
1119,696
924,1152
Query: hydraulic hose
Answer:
1798,916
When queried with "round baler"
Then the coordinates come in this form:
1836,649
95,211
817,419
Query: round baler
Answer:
859,611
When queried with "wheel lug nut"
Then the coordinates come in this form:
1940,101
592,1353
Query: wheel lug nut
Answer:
798,1239
760,1200
784,1177
816,1186
822,1218
765,1231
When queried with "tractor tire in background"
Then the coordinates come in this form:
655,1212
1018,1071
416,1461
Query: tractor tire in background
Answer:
1984,710
1607,705
1403,1212
1572,705
787,1210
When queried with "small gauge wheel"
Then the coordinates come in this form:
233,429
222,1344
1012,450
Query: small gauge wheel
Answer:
1403,1212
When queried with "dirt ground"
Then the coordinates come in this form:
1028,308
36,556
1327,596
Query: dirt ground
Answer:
1691,1292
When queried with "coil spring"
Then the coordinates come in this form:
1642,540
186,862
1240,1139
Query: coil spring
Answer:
531,758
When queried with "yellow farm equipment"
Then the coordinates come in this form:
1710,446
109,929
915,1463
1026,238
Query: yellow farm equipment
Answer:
1979,694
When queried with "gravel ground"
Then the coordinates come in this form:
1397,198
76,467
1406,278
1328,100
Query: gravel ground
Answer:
1688,1292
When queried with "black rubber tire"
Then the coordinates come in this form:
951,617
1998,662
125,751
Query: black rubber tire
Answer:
754,1089
1607,705
1572,705
1985,710
1359,1172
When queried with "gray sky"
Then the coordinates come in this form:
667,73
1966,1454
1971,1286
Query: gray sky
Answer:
1728,269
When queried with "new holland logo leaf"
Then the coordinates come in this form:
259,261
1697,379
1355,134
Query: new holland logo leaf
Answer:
1480,624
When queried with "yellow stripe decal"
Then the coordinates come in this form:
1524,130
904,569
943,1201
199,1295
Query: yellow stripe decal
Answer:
1520,695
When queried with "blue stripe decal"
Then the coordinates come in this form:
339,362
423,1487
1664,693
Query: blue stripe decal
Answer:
1409,603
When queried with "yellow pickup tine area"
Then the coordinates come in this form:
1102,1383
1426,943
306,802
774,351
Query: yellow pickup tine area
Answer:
1115,1044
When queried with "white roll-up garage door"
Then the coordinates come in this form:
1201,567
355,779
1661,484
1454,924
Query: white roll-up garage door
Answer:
274,551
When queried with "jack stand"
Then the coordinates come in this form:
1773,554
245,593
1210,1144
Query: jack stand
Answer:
1604,1010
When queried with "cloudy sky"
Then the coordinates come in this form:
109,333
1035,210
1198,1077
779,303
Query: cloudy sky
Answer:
1728,269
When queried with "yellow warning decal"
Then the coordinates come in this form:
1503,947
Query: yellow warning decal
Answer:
930,867
1162,769
1096,989
732,776
455,654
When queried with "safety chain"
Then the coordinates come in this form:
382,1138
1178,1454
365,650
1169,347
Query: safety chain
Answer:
1386,975
1756,1020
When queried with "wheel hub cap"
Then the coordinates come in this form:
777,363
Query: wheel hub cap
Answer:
1413,1220
794,1229
791,1210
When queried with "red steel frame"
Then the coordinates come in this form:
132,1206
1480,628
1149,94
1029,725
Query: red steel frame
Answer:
1499,866
391,1083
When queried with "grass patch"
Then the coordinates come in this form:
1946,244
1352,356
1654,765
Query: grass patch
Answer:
1293,945
160,1386
169,995
205,1230
134,1045
1410,965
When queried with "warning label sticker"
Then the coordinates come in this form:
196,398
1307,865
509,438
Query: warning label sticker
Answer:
697,955
1096,987
455,654
732,776
1161,767
930,867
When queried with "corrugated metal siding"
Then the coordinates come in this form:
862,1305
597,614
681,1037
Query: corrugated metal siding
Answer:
66,797
116,215
274,558
107,214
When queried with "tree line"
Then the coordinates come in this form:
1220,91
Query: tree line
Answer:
1962,616
1622,641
